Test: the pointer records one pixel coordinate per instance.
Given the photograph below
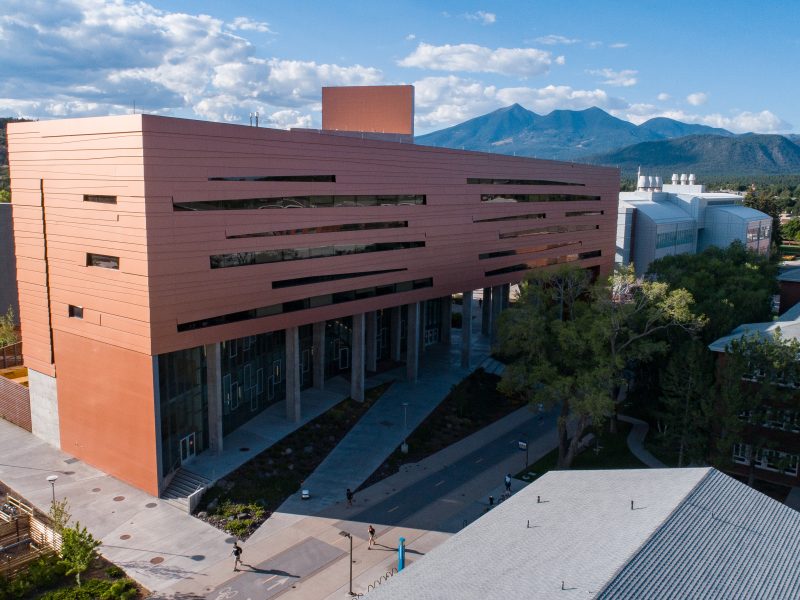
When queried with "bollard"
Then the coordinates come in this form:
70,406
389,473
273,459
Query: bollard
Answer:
491,500
401,554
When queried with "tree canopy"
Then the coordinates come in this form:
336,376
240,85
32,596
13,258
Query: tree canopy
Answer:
572,342
730,285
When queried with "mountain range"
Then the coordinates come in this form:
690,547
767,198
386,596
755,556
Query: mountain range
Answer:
592,135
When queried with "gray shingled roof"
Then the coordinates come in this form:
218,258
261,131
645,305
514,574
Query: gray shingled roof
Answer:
587,536
725,540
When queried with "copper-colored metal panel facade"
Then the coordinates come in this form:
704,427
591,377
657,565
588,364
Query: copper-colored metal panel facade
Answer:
165,296
375,109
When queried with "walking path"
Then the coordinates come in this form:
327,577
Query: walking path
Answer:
384,427
636,442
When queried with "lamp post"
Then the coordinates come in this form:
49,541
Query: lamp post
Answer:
52,480
350,537
404,445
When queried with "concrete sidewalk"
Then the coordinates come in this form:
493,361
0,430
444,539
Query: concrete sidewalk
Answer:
156,543
636,442
382,429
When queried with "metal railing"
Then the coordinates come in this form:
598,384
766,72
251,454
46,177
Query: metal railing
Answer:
11,355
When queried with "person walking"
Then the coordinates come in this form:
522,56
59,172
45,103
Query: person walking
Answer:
349,494
508,483
371,531
237,555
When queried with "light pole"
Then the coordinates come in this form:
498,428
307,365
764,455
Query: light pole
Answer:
347,535
52,480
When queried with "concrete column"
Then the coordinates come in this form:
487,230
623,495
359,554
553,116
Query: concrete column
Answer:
395,332
293,374
412,342
486,312
214,385
357,356
506,295
466,329
447,318
497,307
371,341
319,355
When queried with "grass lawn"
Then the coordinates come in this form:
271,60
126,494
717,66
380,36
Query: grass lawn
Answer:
244,499
613,453
472,404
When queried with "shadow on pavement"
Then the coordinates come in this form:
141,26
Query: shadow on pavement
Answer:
278,572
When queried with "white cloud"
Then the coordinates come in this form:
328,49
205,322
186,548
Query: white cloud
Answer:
697,98
624,78
479,59
553,40
742,122
486,18
410,37
245,24
286,119
663,97
92,57
617,45
445,101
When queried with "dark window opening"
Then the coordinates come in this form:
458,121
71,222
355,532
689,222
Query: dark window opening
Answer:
100,199
547,230
283,283
306,178
481,181
306,303
302,202
75,312
102,260
515,218
324,229
585,213
528,250
241,259
511,198
543,262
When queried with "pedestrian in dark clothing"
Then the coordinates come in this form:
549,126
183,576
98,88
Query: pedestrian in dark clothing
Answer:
508,482
237,554
349,495
371,531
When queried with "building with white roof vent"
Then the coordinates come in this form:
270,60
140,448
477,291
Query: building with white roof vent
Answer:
659,220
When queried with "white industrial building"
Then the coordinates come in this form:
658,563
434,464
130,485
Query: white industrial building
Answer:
659,220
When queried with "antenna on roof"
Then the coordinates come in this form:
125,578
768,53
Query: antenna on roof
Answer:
134,107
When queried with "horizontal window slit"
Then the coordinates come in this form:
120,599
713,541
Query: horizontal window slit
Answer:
304,178
547,230
543,262
242,259
284,283
343,201
324,229
514,218
499,181
512,198
307,303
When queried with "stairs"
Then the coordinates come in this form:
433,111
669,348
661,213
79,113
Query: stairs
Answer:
183,484
493,366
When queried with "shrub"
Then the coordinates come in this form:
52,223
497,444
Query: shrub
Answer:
114,572
96,589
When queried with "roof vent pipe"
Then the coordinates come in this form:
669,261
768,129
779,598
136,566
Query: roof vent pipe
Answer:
642,182
692,179
675,179
657,183
684,179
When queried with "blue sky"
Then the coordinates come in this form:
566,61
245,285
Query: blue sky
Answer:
728,64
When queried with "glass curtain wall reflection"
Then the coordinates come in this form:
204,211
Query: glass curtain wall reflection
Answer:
338,343
183,399
253,376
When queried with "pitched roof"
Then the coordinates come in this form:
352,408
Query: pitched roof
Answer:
585,534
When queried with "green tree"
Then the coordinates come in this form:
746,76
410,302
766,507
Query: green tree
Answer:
730,285
571,349
8,328
60,515
78,550
686,411
753,382
791,229
5,196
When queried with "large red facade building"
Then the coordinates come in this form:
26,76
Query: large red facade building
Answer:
176,277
